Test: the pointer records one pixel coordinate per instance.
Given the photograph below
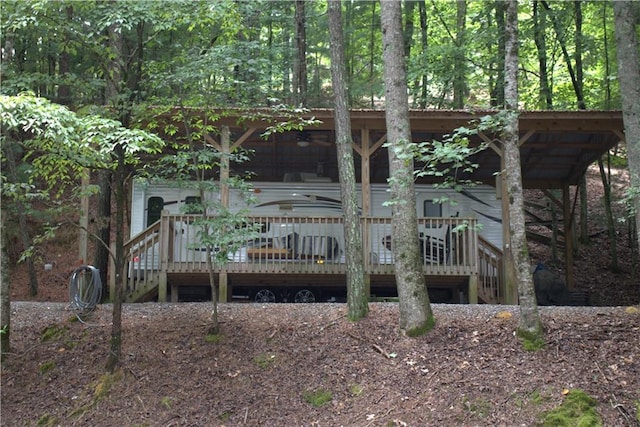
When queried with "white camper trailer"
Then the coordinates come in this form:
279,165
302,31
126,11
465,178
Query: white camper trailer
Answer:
301,224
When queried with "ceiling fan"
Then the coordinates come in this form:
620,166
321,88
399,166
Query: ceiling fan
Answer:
307,138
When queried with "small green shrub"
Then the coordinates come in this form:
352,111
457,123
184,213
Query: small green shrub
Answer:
531,341
225,416
356,390
46,367
47,420
478,407
318,397
578,409
213,338
51,333
264,360
166,402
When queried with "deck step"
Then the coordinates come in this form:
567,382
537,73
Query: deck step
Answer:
145,292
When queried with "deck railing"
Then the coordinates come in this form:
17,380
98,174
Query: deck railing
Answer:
490,286
309,245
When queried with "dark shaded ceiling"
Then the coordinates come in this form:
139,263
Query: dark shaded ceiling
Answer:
556,146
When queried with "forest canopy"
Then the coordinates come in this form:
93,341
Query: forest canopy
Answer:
253,53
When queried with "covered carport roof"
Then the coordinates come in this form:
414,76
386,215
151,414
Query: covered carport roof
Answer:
556,146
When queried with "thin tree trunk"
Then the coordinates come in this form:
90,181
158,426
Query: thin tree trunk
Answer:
12,161
5,291
611,226
497,95
557,26
300,67
584,208
372,54
424,40
460,68
115,354
539,28
113,95
554,233
416,317
530,324
103,214
357,297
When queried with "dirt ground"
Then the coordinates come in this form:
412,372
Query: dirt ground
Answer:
270,359
470,370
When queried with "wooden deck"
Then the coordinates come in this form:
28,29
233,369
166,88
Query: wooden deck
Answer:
309,251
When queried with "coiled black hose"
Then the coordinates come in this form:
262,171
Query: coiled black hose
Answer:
85,290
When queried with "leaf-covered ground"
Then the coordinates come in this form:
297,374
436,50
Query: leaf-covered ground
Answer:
274,363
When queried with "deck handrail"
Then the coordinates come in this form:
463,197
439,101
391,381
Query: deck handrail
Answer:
490,272
310,245
142,268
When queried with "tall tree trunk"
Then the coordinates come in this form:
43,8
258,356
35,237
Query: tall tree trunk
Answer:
372,54
611,226
103,208
607,61
626,18
584,208
497,94
408,26
424,40
460,60
64,66
557,26
115,353
530,324
539,28
357,295
300,64
11,150
416,317
5,291
113,97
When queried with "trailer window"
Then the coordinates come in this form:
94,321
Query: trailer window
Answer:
193,205
432,209
154,209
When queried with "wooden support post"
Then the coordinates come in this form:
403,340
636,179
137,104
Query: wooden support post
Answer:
473,289
568,237
165,239
175,289
223,289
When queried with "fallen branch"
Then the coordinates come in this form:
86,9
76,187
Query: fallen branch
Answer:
380,350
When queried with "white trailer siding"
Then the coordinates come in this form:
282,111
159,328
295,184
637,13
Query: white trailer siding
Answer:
323,199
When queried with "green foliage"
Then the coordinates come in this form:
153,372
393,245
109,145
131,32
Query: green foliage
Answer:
531,341
213,338
356,390
317,397
241,53
578,409
479,407
264,360
52,332
166,402
55,146
46,367
47,420
416,332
